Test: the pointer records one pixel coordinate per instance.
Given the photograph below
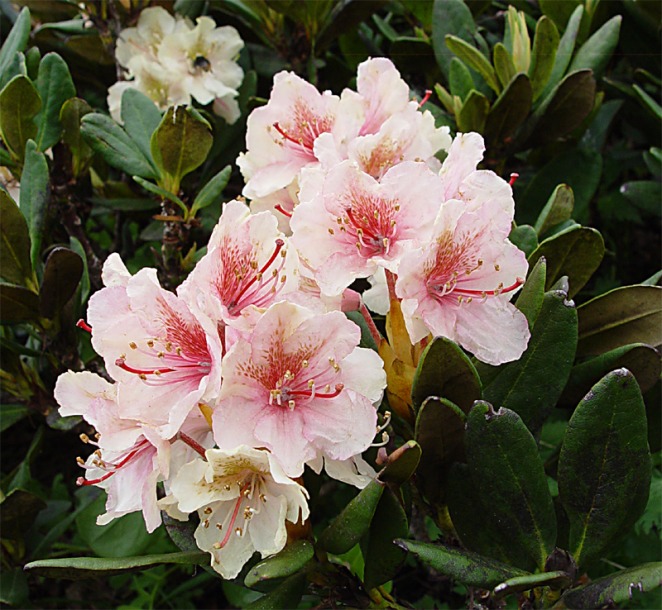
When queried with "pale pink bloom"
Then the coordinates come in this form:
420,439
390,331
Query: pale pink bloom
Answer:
280,136
299,386
155,346
459,284
353,471
243,499
248,266
376,298
280,203
347,224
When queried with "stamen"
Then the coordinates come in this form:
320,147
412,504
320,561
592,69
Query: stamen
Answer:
282,210
192,443
483,293
426,97
288,137
141,372
279,246
116,467
513,178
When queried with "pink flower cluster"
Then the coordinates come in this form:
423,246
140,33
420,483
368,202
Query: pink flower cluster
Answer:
223,392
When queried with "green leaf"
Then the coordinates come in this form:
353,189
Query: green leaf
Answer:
558,209
349,526
604,469
14,587
450,17
19,104
641,360
383,559
401,464
55,87
440,433
529,300
17,304
286,595
596,52
162,193
459,79
630,314
77,247
15,245
19,510
615,589
504,463
74,568
34,196
444,370
212,191
503,64
141,117
576,253
648,102
545,365
645,194
109,140
71,114
525,238
473,114
62,274
543,54
471,56
463,566
508,112
10,414
557,579
289,561
16,42
179,145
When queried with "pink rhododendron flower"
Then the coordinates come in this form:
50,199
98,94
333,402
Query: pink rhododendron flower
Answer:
459,285
248,265
347,224
155,346
299,386
243,499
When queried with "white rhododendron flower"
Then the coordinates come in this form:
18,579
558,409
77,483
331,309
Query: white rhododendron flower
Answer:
244,500
172,61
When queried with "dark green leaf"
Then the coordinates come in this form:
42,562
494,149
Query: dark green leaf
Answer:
55,87
19,510
558,209
286,595
179,145
19,103
367,339
14,587
543,54
182,533
596,52
444,370
162,193
34,196
504,463
383,558
15,245
130,205
474,59
557,579
17,304
450,17
615,589
401,464
596,134
212,191
77,247
141,117
649,103
459,79
349,526
109,140
16,41
532,385
509,111
440,433
473,114
559,10
576,253
74,568
525,238
645,194
503,64
529,300
71,114
289,561
10,414
62,274
604,469
630,314
468,568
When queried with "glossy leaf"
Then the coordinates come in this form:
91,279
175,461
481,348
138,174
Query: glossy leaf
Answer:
349,526
179,145
285,563
471,56
473,114
440,433
529,300
450,17
286,595
71,114
525,238
34,196
16,42
576,253
212,191
604,468
444,370
532,385
645,194
459,79
543,54
382,557
615,589
503,64
463,566
19,104
55,87
15,245
630,314
141,117
17,304
596,52
89,567
10,414
401,464
509,111
558,209
556,579
504,463
62,274
110,141
14,587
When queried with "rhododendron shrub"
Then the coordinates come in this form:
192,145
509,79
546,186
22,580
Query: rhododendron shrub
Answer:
302,293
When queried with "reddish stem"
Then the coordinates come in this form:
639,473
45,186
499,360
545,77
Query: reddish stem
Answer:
192,444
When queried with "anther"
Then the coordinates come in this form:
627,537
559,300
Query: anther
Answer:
208,510
83,437
133,345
